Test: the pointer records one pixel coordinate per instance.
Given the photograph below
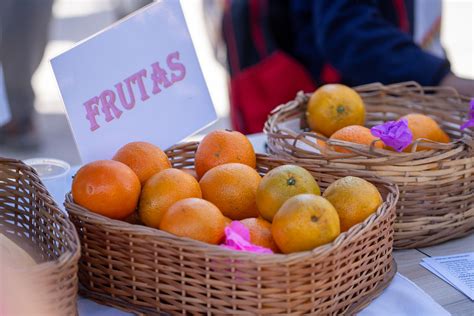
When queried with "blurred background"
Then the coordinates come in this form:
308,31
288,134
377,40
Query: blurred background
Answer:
74,20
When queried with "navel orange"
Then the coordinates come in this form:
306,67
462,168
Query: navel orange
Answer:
355,134
334,106
423,126
163,190
304,222
107,187
143,158
280,184
232,188
260,233
196,219
354,198
223,146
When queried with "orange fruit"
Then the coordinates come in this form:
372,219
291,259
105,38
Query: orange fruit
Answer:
163,190
145,159
228,221
304,222
334,106
260,233
107,187
223,146
355,134
232,188
279,185
196,219
191,172
423,126
354,198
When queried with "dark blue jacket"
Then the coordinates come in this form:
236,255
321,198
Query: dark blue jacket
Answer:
363,40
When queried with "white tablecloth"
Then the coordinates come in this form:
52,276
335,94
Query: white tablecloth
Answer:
401,297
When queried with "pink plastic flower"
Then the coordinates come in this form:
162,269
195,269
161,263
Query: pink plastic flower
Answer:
238,238
470,122
395,134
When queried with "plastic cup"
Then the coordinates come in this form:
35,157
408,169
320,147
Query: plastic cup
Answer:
54,175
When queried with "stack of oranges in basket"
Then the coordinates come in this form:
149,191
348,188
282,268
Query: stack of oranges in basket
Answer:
337,112
282,211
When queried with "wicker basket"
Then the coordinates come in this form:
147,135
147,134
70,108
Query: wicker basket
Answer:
144,270
436,186
29,217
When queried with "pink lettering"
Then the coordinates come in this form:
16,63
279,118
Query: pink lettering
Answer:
159,77
107,98
176,66
138,78
92,111
123,100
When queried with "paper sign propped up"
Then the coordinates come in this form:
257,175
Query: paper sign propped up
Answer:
139,80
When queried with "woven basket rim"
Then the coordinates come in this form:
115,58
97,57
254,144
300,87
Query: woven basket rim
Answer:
73,252
271,129
215,250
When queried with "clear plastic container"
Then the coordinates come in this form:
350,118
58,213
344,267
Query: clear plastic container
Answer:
54,174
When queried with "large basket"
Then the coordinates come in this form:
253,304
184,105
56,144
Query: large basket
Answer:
30,218
144,270
436,186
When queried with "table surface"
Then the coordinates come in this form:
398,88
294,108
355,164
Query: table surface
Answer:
408,262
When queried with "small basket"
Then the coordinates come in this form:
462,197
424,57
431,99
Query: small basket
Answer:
436,186
30,217
145,270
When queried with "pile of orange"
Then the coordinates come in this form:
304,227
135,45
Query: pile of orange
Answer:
283,211
338,112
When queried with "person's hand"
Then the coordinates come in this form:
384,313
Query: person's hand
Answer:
463,86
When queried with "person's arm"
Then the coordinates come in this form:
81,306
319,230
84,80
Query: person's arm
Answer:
365,48
463,86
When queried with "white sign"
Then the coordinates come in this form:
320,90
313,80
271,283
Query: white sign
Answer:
139,80
4,107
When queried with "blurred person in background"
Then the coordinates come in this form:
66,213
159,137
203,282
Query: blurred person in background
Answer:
276,48
24,26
